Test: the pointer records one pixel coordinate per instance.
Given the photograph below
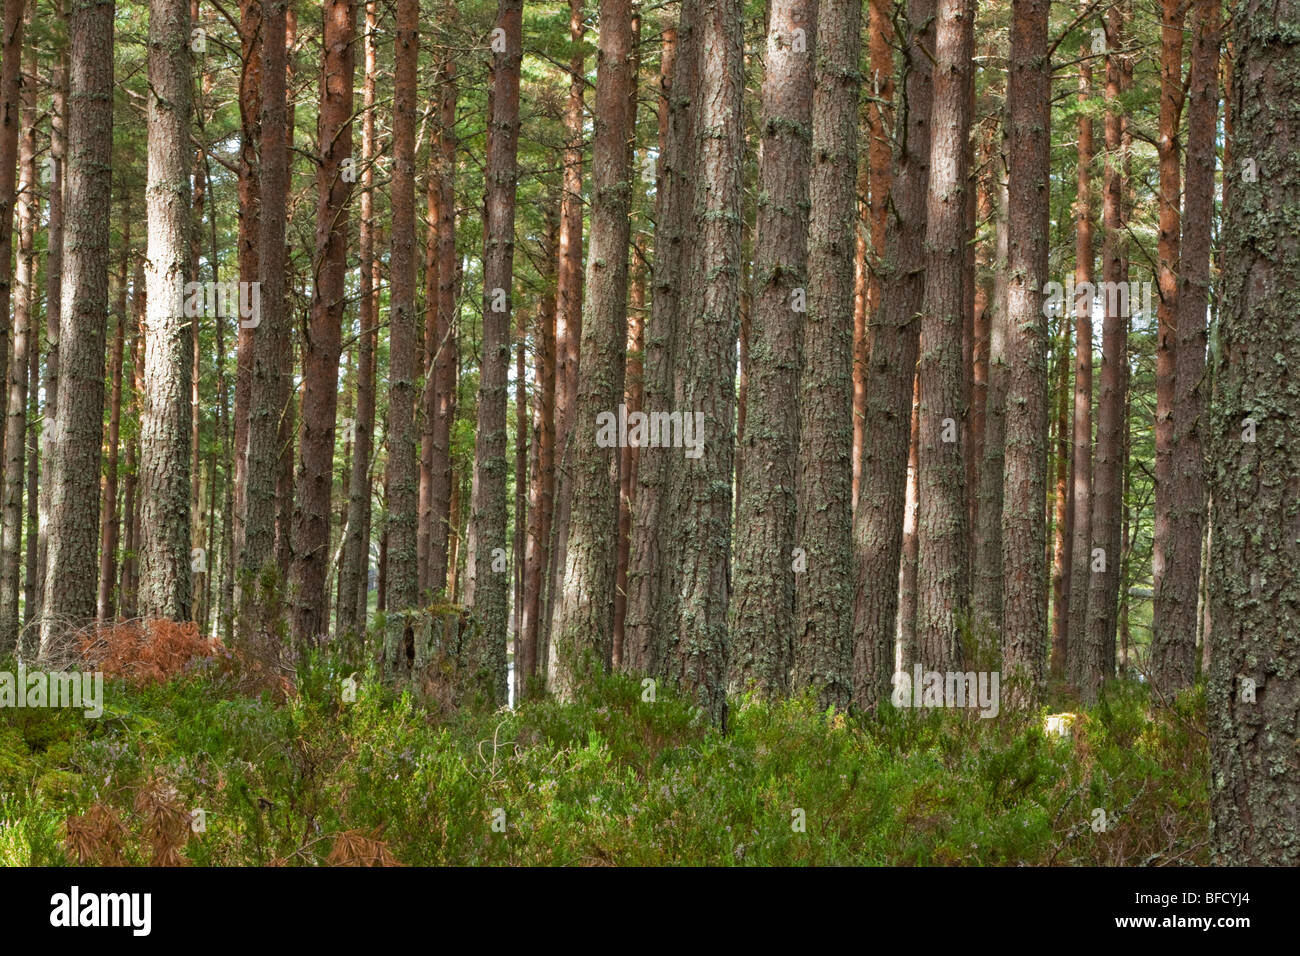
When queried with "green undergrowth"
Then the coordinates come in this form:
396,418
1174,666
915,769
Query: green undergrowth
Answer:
610,779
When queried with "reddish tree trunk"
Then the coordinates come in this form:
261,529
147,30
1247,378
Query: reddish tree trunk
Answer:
311,537
893,334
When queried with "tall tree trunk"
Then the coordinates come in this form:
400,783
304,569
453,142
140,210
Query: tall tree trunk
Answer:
53,299
1096,660
25,342
634,373
762,627
634,399
986,584
891,375
1171,106
10,121
198,541
287,397
1024,532
72,555
877,175
255,537
1081,467
403,455
694,602
1174,643
582,640
568,327
250,117
1062,514
541,494
129,587
1254,484
648,561
108,527
981,313
165,423
32,569
486,591
311,530
823,638
942,536
861,280
520,515
906,654
353,578
428,398
446,358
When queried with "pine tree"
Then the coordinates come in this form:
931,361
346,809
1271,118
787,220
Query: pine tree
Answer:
165,424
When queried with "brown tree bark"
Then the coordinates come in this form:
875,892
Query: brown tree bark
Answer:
861,280
250,119
1024,531
315,479
1255,561
634,373
981,313
486,586
354,576
634,399
1173,650
649,567
907,650
878,520
762,624
1081,466
255,536
129,586
109,520
10,121
53,298
875,178
73,537
26,334
823,637
986,583
288,396
568,328
31,570
1062,514
699,533
582,638
403,454
942,536
1096,662
165,586
541,485
1167,252
446,357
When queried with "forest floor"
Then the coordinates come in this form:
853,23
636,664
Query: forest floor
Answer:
197,768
